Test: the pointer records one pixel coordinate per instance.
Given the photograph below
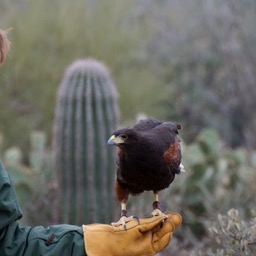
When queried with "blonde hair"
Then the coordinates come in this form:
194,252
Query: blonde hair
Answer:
4,45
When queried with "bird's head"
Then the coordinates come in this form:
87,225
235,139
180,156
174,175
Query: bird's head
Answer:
123,137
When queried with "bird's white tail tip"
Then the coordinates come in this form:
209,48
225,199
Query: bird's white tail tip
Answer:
182,169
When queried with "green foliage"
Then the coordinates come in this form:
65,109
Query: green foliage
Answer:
221,177
234,236
212,81
86,114
179,67
208,141
38,150
53,34
34,182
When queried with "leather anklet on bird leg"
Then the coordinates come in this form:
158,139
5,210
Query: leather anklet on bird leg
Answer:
156,207
124,219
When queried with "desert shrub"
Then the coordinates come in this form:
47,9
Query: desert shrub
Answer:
217,180
233,235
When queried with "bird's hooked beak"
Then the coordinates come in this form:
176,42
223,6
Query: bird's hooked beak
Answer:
113,140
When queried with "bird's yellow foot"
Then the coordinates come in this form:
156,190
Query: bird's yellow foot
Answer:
123,220
157,211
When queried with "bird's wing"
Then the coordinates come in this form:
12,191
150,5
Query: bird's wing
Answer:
146,124
172,126
169,143
172,156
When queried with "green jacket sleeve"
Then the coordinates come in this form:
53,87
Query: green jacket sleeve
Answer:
65,240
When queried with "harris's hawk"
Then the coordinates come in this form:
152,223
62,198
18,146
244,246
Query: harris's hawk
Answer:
148,157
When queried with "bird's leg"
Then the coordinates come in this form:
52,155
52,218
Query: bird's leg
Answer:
124,219
156,207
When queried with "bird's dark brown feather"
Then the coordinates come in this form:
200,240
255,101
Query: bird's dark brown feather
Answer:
172,156
122,192
149,158
146,124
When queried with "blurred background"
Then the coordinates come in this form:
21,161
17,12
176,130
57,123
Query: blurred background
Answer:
193,62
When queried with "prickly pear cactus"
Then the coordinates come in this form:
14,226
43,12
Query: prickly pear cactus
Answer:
86,114
38,150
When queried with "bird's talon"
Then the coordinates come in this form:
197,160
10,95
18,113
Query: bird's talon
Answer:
136,218
157,212
122,222
165,217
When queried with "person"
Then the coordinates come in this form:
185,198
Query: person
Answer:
147,237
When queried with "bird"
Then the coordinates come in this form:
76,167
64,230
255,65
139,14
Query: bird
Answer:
148,158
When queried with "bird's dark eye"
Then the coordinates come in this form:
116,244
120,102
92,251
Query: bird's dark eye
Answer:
124,136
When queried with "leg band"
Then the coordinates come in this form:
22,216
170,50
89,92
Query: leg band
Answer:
123,213
156,205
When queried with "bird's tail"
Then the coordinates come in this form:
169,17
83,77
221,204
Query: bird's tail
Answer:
182,169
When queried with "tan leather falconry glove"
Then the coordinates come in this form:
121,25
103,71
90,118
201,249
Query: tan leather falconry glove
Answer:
146,238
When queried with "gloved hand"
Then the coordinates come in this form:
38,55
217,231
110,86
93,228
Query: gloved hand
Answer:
147,238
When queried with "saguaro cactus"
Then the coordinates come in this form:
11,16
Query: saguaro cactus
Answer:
86,114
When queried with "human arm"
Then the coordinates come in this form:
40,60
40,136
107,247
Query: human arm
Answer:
18,241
